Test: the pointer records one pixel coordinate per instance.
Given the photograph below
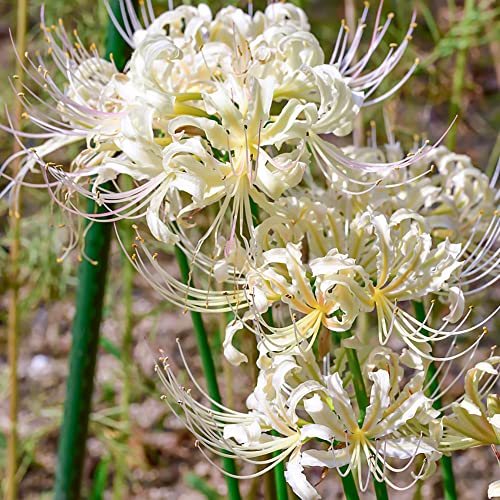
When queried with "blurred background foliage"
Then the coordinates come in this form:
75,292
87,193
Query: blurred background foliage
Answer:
137,450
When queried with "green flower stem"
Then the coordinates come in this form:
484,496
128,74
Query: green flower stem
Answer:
358,382
208,369
450,492
363,402
80,383
279,470
89,304
279,479
349,485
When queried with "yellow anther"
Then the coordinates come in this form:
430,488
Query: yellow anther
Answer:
390,15
59,260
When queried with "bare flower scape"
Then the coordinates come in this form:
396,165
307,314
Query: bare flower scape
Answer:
345,273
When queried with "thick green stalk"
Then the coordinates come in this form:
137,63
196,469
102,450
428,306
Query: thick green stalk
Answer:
86,324
450,492
80,383
208,366
363,402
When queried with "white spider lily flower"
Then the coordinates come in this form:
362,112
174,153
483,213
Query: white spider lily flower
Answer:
284,278
201,81
85,107
380,437
287,383
474,423
245,436
456,200
282,14
376,264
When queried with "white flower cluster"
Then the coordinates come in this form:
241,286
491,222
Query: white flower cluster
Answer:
226,125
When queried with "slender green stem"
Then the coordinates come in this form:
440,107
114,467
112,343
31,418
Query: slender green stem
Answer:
358,382
86,324
349,485
208,366
279,480
279,470
363,402
450,492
